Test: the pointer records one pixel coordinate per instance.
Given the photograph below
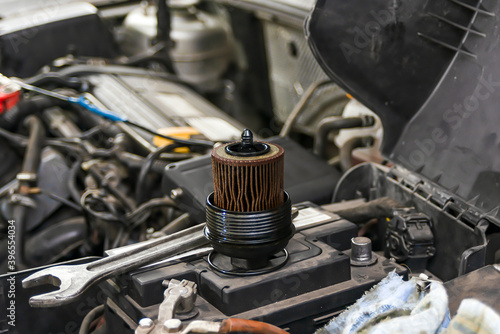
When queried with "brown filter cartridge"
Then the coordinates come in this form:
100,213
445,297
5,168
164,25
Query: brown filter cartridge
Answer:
248,180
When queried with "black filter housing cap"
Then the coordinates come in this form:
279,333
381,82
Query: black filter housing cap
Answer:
430,70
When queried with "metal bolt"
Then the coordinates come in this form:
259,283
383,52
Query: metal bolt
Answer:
176,193
172,326
361,252
149,233
146,323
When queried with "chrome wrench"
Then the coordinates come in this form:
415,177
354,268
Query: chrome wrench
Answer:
73,280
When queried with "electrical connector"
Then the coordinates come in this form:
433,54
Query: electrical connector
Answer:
10,94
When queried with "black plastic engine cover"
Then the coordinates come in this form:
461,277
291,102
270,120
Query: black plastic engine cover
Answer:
460,232
35,38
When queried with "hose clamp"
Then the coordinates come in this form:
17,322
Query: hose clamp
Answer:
26,177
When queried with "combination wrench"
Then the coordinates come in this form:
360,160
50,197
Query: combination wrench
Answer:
73,280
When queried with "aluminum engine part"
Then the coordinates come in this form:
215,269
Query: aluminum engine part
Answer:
157,103
201,51
292,70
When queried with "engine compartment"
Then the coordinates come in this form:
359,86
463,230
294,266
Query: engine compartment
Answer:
109,136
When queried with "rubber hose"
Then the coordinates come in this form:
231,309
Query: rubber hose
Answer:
140,190
56,241
333,124
81,70
163,16
56,79
30,165
11,119
32,156
301,105
378,208
89,318
134,161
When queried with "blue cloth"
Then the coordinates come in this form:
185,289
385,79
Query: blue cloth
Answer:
393,306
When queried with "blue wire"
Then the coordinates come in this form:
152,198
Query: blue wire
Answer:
85,103
82,101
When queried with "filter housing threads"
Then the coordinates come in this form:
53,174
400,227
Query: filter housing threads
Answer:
248,176
248,215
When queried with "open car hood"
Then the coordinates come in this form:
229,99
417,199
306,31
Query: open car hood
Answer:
430,70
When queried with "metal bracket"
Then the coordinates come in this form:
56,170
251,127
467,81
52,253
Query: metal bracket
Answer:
179,298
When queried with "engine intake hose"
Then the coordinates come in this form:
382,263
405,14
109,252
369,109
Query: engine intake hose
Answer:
333,124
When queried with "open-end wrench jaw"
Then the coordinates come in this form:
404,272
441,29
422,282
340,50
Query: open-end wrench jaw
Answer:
70,280
40,278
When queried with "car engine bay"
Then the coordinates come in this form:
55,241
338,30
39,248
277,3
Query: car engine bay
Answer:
242,166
